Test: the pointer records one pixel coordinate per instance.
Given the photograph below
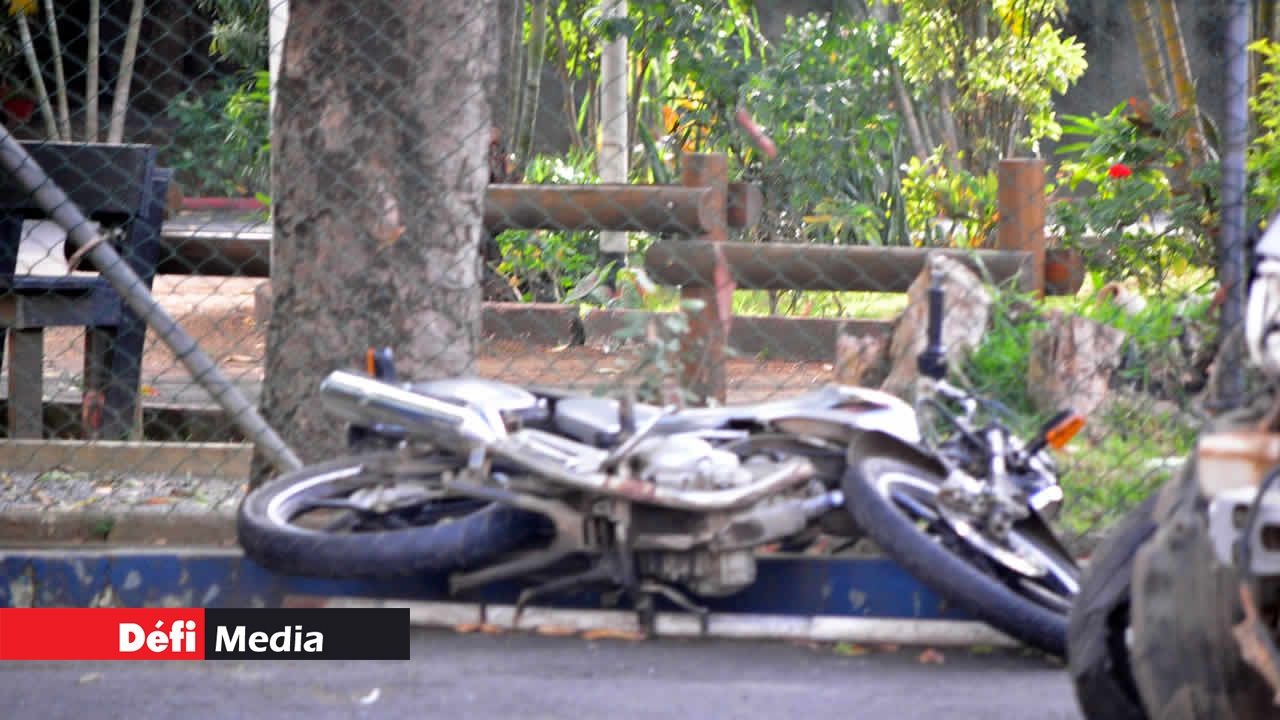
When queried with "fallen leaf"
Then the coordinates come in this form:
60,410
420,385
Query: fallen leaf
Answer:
149,391
157,501
87,678
559,348
103,489
612,634
850,649
486,628
555,630
931,657
241,358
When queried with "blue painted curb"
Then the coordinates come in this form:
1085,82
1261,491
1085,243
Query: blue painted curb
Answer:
785,586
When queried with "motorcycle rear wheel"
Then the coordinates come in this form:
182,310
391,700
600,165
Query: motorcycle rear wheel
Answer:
435,535
1186,661
900,526
1097,642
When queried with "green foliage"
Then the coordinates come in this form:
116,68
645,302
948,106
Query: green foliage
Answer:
1129,453
997,369
1121,456
239,31
221,143
1144,214
933,192
654,371
1163,338
698,55
827,99
542,265
1264,149
993,64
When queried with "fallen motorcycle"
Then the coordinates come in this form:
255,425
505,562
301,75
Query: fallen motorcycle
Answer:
1177,616
487,481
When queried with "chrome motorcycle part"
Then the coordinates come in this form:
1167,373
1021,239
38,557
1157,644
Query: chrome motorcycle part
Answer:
512,403
765,481
365,401
686,462
774,521
1227,515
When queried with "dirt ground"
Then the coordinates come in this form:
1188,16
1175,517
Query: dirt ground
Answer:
219,313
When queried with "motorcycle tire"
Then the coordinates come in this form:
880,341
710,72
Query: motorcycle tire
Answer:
1186,661
947,573
1097,646
457,543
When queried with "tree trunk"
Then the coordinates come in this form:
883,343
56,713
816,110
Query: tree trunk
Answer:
1183,83
1148,42
537,51
380,165
120,103
37,76
613,158
91,72
59,77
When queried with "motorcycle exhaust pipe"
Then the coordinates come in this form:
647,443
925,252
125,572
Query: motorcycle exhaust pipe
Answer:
365,401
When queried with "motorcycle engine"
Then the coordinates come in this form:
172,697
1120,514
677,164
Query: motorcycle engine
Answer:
688,462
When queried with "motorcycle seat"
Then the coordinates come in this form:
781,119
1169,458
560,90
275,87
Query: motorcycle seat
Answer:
595,420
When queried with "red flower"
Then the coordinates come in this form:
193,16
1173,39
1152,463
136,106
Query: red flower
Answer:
1119,170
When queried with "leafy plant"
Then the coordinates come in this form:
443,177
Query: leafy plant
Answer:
998,367
988,70
221,142
1169,341
1264,149
828,102
239,31
1144,214
935,194
654,370
545,265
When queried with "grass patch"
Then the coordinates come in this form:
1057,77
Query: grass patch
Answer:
1133,448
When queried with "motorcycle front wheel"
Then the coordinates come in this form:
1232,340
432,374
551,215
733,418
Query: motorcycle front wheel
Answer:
1098,631
895,502
372,515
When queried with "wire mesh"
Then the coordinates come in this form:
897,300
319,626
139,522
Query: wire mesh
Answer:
444,180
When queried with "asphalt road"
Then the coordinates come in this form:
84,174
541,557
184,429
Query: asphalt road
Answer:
528,676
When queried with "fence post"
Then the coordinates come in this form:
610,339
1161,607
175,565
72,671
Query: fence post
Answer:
703,362
1021,206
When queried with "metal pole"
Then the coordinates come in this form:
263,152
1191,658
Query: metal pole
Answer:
614,77
33,180
1232,249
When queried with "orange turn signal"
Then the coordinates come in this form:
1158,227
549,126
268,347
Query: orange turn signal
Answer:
1061,433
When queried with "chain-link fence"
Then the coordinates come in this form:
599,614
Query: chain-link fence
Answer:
446,179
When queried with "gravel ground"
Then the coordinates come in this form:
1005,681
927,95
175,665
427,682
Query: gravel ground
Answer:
60,491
